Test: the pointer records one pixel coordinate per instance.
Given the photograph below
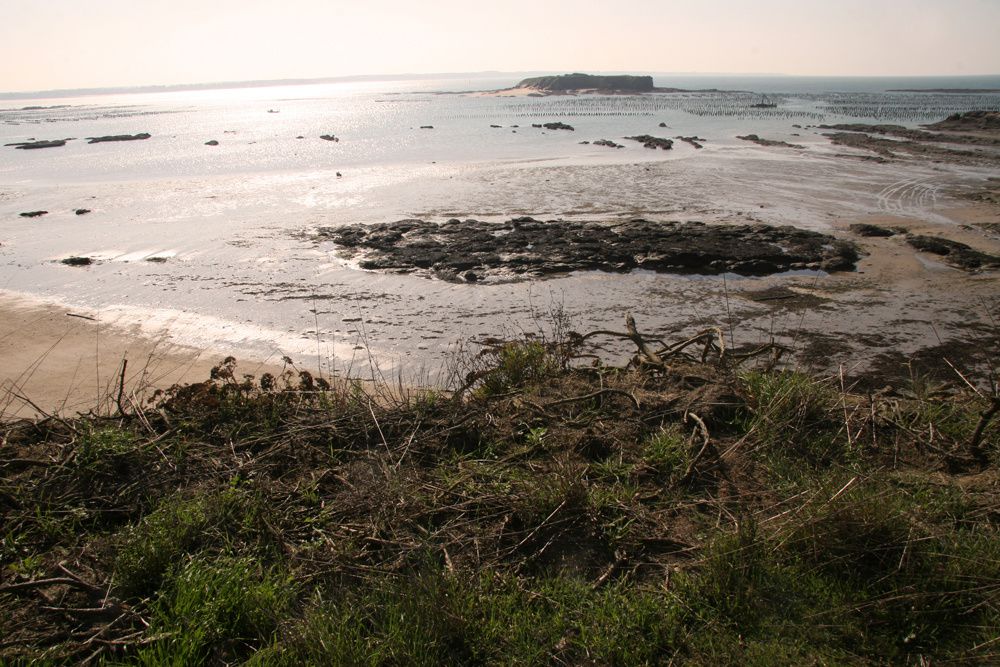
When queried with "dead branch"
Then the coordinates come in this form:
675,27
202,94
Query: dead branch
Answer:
701,452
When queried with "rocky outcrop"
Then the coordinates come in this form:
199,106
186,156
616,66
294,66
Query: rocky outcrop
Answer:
329,137
523,248
554,126
653,142
77,261
608,143
949,135
119,137
867,230
768,142
211,142
694,141
954,253
969,121
578,81
30,145
82,211
33,214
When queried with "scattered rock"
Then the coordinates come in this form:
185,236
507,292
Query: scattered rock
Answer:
864,229
33,214
426,127
608,143
77,261
653,142
157,259
119,137
30,145
329,137
82,211
768,142
496,125
694,141
524,248
556,126
954,253
663,125
211,142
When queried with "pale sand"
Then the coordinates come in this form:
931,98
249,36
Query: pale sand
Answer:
55,361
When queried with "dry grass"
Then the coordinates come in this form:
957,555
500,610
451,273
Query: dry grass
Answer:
546,510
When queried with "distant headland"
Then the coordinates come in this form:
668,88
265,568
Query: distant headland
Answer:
577,81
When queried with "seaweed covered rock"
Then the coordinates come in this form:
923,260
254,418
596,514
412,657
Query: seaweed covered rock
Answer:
954,253
524,247
649,141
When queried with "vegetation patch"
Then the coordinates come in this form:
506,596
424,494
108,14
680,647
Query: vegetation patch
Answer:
699,505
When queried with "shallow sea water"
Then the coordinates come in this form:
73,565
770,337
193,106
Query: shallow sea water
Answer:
234,222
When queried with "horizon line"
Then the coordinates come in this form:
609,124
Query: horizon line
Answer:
409,76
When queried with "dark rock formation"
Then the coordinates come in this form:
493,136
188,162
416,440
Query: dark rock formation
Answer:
33,214
971,120
954,253
921,135
119,137
608,143
473,251
694,141
82,211
426,127
77,261
329,137
554,126
653,142
29,145
577,81
863,229
211,142
768,142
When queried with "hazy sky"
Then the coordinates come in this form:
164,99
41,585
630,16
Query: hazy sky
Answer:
48,44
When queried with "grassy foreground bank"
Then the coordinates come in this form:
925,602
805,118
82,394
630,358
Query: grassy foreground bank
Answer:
698,506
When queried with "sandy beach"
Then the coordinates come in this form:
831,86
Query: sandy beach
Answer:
59,361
